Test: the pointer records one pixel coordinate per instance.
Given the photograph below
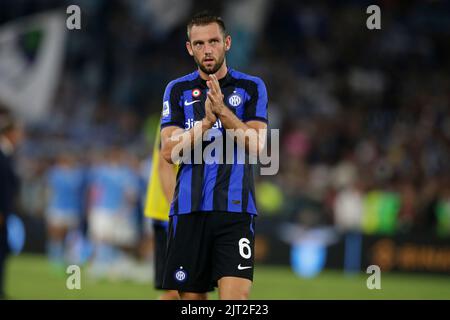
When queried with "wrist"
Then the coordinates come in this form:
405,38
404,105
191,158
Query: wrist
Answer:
222,111
206,123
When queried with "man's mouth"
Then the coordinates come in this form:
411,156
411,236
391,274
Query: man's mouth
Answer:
207,60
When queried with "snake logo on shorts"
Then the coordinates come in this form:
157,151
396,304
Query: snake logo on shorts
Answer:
180,275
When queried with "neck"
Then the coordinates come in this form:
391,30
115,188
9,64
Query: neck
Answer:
221,73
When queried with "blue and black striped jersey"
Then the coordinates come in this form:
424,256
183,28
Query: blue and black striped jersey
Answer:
214,186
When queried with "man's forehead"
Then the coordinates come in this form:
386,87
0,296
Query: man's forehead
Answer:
204,32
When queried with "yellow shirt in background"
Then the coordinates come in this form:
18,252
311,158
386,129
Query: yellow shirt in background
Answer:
156,205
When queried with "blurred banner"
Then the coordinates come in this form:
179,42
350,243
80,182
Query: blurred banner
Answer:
309,251
31,52
245,20
161,15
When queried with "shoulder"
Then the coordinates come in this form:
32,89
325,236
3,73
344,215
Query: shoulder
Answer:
247,77
182,80
254,85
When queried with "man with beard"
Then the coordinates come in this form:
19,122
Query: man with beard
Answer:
211,227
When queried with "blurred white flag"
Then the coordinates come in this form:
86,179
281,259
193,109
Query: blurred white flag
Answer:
245,20
31,53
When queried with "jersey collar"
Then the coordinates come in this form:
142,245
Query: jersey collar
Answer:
224,81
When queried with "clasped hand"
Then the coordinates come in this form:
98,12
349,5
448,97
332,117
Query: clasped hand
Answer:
214,102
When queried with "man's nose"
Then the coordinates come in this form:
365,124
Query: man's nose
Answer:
208,49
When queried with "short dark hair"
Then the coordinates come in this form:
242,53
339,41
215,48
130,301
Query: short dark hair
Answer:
204,18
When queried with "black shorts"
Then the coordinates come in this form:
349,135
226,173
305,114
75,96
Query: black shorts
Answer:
206,246
160,236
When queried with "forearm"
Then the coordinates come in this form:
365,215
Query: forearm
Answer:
168,188
246,136
230,121
167,178
184,141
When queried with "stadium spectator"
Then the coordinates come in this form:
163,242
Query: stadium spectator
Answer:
11,134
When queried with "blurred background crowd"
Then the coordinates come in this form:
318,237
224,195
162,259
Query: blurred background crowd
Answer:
364,115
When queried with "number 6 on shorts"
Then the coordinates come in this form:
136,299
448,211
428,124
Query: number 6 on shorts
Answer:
244,248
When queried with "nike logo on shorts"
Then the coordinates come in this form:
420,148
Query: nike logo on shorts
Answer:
243,268
186,103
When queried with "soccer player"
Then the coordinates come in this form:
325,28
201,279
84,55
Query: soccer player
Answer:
113,196
211,227
65,186
159,194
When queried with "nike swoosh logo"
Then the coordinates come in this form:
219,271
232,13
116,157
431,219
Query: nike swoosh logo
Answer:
186,103
243,268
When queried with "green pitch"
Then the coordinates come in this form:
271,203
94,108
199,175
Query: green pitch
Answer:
30,277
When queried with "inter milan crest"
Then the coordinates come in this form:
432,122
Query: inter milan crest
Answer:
180,275
196,93
234,100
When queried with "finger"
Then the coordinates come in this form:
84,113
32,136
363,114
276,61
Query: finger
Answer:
208,103
210,85
213,98
216,83
210,96
213,83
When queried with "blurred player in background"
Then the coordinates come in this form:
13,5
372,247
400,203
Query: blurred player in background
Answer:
10,136
65,188
113,193
159,194
211,234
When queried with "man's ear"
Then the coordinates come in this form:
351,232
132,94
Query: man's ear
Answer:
227,43
189,48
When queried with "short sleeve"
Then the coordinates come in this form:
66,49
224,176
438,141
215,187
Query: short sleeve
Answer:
172,113
256,107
